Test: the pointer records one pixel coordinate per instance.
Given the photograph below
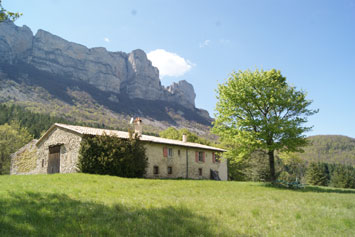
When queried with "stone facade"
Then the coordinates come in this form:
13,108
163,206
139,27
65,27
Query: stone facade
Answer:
164,160
24,160
69,150
182,162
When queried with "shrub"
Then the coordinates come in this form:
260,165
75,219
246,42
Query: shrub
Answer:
112,156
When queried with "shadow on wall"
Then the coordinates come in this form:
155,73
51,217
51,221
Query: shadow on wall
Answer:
39,214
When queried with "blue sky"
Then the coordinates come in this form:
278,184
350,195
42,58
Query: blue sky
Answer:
311,42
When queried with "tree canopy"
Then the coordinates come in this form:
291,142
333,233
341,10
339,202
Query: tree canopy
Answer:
260,111
6,15
176,134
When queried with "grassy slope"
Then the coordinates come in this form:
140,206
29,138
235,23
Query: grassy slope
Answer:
79,204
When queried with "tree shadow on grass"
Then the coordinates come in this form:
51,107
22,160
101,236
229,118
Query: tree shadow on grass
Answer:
314,189
42,214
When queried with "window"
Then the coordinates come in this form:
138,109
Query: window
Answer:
201,156
178,152
156,169
42,163
170,152
170,170
200,171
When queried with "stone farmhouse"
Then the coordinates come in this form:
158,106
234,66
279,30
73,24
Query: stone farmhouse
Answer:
57,151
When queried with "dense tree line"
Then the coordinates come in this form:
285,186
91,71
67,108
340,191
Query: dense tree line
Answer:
290,168
176,134
335,175
35,123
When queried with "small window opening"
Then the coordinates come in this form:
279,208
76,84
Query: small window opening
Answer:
170,152
178,152
200,171
170,170
42,163
156,170
200,156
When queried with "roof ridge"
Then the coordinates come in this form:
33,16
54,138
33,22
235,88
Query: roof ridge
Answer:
82,130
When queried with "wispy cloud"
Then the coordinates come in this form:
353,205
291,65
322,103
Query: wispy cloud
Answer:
107,40
224,41
205,43
169,64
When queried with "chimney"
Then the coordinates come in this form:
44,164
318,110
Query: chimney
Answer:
138,126
184,138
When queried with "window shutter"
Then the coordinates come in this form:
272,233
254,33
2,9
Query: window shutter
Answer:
196,156
165,152
213,158
203,156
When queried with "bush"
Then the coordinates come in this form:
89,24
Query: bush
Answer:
112,156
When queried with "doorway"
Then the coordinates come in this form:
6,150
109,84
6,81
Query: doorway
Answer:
54,160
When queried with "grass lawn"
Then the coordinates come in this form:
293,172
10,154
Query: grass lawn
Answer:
92,205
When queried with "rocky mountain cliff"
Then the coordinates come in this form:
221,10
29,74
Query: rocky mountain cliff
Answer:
132,73
44,65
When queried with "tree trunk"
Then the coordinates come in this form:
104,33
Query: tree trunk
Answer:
272,165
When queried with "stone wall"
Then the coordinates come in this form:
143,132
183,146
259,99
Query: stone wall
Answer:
69,150
24,160
179,164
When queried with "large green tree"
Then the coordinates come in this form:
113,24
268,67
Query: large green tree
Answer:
6,15
260,111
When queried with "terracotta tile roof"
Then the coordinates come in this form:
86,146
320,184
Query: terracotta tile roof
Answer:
97,131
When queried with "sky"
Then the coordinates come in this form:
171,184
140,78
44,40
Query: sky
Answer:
312,42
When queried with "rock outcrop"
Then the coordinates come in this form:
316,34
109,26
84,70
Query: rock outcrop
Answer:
184,91
130,74
15,42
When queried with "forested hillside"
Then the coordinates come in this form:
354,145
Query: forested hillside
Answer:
35,123
330,149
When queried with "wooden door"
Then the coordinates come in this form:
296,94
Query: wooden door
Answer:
54,160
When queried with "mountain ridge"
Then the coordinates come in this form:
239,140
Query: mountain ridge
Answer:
121,84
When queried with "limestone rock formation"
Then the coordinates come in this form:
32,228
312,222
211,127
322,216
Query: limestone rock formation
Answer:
96,66
15,42
184,91
145,82
130,75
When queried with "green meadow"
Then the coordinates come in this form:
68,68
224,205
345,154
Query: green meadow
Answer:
93,205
